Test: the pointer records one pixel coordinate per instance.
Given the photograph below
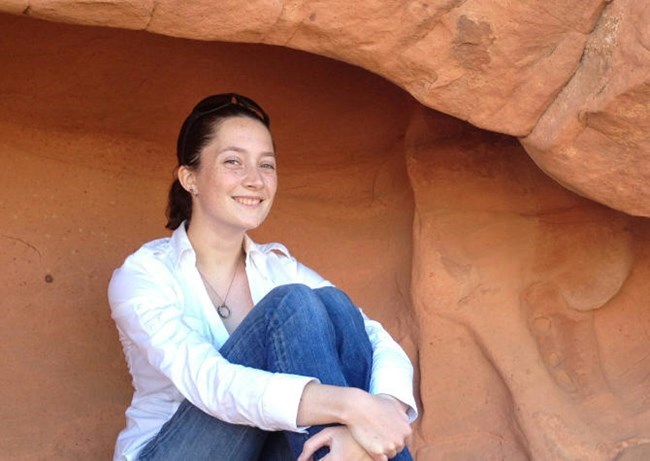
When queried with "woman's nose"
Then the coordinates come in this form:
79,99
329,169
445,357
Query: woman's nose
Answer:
253,178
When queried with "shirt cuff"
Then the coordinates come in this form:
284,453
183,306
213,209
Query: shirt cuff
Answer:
398,385
281,400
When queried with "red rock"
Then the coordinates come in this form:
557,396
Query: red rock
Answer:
522,304
595,138
499,65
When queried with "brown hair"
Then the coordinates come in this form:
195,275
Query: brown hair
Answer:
198,129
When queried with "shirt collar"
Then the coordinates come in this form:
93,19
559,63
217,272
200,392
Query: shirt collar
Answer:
181,245
251,248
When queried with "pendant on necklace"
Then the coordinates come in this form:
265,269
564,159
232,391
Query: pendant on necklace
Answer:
223,311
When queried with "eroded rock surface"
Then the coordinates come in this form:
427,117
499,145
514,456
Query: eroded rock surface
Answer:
521,291
572,81
523,305
595,137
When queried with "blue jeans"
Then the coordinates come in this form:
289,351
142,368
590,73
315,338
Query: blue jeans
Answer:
294,329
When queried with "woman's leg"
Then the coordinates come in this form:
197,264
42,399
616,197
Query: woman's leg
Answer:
352,344
318,333
194,435
294,329
349,326
288,331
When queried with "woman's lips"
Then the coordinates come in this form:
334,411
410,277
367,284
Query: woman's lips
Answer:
248,201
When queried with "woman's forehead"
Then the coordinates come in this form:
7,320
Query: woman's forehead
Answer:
242,134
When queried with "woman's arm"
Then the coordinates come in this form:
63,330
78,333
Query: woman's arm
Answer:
342,446
378,423
392,371
162,342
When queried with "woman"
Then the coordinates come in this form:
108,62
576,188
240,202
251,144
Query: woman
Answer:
238,351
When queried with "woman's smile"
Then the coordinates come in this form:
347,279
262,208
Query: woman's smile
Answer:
249,201
236,181
209,337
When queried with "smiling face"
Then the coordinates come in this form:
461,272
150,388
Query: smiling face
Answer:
235,183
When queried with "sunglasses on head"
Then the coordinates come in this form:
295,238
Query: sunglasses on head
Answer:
217,102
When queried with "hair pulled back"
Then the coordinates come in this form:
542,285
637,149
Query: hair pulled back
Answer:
199,129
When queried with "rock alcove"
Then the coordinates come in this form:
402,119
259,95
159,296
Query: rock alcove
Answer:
522,304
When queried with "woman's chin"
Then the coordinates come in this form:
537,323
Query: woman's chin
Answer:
250,225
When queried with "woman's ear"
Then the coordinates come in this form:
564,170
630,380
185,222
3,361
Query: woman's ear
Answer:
187,179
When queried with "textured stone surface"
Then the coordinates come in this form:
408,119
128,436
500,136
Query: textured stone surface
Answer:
595,137
530,299
449,54
572,81
88,121
522,304
124,14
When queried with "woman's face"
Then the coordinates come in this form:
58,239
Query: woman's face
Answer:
236,181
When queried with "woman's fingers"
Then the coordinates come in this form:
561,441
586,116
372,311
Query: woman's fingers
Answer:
376,428
315,442
342,446
381,426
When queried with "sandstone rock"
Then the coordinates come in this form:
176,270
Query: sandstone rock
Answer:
449,55
14,6
521,286
595,137
499,65
522,304
125,14
229,20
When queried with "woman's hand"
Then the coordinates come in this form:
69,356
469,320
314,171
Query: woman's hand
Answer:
342,446
379,424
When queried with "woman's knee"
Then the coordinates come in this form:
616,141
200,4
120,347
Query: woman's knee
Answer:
294,300
299,289
338,304
316,306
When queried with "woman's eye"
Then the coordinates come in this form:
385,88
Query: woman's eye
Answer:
231,161
269,166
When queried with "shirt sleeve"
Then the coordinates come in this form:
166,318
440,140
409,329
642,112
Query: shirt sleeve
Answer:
147,310
392,371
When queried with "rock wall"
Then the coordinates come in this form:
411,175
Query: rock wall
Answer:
530,305
522,304
572,82
88,126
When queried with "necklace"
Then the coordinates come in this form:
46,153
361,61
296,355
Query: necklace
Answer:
222,309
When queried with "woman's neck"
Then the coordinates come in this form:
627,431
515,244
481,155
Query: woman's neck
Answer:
215,252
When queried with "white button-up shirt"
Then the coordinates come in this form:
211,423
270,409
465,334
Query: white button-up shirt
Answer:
171,335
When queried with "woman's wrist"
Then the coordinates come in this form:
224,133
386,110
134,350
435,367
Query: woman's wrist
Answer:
404,406
325,404
352,402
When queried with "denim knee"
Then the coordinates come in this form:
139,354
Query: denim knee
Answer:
338,303
293,300
314,302
289,288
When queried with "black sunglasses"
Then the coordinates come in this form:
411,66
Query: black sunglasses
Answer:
217,102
